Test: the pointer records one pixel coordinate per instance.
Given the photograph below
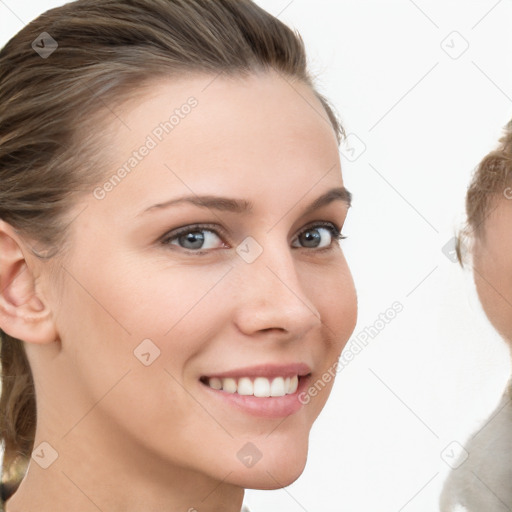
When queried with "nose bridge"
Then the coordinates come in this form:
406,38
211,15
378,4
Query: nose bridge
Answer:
272,295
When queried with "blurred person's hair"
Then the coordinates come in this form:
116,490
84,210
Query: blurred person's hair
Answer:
492,179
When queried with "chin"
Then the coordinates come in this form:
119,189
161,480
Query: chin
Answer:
275,470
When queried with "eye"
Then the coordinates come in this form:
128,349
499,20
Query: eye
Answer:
194,238
201,238
319,236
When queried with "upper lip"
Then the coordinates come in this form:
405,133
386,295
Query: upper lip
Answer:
265,370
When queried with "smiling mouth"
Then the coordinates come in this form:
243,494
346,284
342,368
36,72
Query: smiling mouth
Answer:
254,386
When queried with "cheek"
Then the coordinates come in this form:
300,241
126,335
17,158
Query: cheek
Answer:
334,295
493,280
121,316
131,341
140,300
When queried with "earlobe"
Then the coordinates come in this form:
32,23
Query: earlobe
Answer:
24,313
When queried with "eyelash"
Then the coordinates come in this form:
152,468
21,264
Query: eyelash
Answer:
173,235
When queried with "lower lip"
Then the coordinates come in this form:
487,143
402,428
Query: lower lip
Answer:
266,407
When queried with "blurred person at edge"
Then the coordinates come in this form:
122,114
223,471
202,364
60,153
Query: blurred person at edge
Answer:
482,476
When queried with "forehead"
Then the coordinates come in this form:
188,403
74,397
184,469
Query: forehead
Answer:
202,133
243,107
492,237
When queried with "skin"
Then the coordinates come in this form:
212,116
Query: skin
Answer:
131,437
492,266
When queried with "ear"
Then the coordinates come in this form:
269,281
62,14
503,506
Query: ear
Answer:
24,313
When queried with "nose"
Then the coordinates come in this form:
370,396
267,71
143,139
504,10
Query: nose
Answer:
270,297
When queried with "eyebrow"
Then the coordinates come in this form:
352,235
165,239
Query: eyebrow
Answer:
243,206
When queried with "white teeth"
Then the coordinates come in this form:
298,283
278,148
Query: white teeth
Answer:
229,385
294,384
245,386
215,383
259,387
277,387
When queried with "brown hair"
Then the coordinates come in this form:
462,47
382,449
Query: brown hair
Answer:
490,180
107,49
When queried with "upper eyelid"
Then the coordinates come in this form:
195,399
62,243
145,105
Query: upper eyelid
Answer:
174,233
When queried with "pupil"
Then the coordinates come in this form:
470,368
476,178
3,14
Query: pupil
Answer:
195,238
311,238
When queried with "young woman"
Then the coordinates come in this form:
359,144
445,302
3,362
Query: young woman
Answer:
482,479
173,294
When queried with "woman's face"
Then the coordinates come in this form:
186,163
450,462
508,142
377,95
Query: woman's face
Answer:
492,266
210,261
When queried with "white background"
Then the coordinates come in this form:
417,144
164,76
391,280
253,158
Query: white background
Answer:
426,118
